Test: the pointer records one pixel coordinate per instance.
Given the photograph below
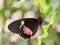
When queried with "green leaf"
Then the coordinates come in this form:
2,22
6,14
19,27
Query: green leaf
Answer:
39,39
9,3
43,6
45,27
51,20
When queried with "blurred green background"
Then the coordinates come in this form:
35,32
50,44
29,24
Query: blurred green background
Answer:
11,10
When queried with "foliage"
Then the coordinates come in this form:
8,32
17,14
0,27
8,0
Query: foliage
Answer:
49,8
44,7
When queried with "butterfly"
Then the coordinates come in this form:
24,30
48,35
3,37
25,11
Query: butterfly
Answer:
26,27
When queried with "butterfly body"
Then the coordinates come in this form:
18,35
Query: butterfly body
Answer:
30,23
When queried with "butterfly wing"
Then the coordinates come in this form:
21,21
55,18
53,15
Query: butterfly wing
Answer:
28,22
14,26
31,24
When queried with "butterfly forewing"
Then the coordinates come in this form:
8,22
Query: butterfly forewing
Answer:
14,26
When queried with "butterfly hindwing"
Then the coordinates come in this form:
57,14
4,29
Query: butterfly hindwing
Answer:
32,24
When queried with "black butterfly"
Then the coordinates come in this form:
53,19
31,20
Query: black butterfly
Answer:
31,23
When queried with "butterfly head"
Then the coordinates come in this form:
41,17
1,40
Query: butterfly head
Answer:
39,20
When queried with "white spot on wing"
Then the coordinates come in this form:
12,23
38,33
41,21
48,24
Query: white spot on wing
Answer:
22,23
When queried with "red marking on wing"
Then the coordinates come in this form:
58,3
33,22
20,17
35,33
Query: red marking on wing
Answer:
27,30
